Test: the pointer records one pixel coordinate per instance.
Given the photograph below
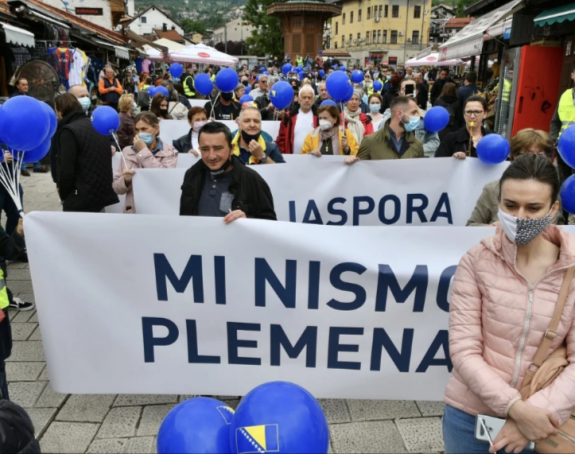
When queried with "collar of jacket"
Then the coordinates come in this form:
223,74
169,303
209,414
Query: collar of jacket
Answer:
502,247
72,117
408,136
463,133
236,145
199,170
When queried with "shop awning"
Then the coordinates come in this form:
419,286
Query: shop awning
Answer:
18,36
121,52
46,18
499,29
469,41
553,15
424,53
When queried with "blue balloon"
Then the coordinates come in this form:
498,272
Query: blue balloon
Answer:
266,73
197,425
248,89
492,149
176,70
328,102
152,91
262,69
322,73
203,84
24,123
568,194
335,67
377,86
357,76
286,68
281,95
246,98
279,417
306,69
227,80
299,69
566,146
302,76
162,91
105,120
38,153
436,119
342,68
337,85
53,119
349,94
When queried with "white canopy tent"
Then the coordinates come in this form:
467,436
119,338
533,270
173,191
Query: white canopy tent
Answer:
433,60
202,54
154,54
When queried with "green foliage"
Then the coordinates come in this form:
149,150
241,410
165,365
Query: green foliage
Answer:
268,38
462,4
190,26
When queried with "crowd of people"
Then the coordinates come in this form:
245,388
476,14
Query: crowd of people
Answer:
505,289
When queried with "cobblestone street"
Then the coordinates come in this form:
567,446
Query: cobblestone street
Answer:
129,423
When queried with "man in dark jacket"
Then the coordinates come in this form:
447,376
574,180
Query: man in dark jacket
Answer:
85,172
224,107
469,89
220,185
439,84
21,87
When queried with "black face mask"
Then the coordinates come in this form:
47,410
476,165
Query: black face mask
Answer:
249,137
163,110
245,83
227,96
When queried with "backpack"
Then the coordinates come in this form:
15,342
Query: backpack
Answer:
143,100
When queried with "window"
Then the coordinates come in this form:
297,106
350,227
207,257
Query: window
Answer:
395,11
373,37
343,19
417,12
380,11
393,36
359,15
335,45
337,28
350,36
343,40
144,20
415,37
369,13
351,17
358,36
386,10
366,37
379,37
385,37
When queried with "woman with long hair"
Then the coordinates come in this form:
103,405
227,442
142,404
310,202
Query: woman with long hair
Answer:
159,107
355,120
449,100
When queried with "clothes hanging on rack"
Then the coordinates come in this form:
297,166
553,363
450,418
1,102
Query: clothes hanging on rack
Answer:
78,67
21,56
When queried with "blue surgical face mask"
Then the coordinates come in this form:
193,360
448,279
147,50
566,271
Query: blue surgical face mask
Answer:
412,124
375,107
146,137
85,102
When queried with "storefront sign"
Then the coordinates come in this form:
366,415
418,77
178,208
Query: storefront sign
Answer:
89,12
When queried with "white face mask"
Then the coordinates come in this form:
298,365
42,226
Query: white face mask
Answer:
325,124
522,231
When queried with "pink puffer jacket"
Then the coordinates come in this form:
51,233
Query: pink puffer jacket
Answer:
496,323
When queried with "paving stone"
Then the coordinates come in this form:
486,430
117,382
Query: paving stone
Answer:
129,400
23,371
18,274
367,437
422,434
50,398
34,317
22,331
22,317
25,393
36,335
374,410
429,408
20,287
28,297
44,375
141,445
335,410
152,418
68,437
16,265
111,445
27,351
86,408
120,422
41,417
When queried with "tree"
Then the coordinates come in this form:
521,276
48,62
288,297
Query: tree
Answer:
267,39
461,5
234,47
190,26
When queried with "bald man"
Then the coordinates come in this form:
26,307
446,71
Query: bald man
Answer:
81,93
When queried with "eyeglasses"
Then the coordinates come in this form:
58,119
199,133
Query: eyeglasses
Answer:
473,113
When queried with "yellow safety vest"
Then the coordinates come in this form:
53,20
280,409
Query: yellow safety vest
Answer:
566,110
213,77
300,61
4,301
187,91
506,95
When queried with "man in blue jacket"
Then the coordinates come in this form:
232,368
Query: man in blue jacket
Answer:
469,89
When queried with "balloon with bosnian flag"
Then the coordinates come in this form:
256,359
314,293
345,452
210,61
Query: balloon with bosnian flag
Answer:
26,129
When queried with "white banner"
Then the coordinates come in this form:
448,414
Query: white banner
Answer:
171,130
326,191
185,305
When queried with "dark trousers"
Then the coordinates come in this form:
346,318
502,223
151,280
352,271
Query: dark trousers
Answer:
3,381
9,207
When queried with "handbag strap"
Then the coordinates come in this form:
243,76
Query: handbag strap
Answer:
551,333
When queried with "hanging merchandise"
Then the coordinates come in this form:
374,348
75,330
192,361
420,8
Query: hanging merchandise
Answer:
78,67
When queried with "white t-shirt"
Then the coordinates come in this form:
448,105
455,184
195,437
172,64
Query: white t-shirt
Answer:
303,126
75,73
195,143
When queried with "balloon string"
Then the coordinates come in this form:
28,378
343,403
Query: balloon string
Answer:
119,148
6,181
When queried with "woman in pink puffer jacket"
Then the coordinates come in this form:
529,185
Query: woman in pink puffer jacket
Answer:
504,294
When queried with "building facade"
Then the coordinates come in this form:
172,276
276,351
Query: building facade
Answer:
382,31
105,13
440,15
151,19
236,30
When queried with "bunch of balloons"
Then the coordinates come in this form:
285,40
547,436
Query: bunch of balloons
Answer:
566,148
26,127
274,417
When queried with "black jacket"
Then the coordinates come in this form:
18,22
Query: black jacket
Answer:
217,114
184,143
388,97
437,89
422,96
16,430
251,193
453,106
85,172
458,141
262,104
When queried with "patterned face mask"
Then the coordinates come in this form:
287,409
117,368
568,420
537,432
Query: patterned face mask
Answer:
522,231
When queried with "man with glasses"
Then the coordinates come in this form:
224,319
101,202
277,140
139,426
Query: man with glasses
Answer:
263,87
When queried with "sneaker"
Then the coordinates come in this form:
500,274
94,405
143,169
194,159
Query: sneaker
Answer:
25,173
20,305
41,170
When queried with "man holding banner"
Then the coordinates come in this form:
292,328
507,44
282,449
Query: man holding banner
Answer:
220,185
249,145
